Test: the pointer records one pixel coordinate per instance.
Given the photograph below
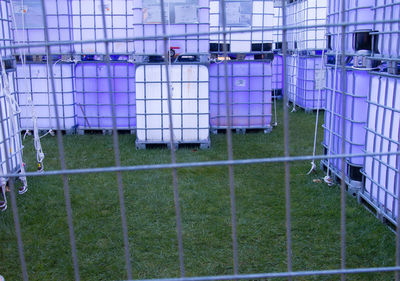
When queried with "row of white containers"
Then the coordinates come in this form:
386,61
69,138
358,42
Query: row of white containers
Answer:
82,20
83,95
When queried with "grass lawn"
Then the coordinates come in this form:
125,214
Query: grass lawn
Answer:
204,197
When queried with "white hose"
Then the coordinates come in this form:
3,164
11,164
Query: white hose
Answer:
328,178
313,166
36,139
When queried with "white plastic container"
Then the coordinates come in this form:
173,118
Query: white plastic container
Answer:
311,13
292,72
185,16
190,104
5,28
356,94
278,22
242,15
29,27
389,38
381,188
33,82
87,22
356,11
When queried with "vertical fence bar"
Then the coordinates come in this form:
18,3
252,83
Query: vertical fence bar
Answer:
286,142
116,150
172,145
229,142
343,183
61,150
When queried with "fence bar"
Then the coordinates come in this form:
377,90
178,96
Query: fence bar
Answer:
343,183
197,164
116,151
171,139
229,144
281,274
286,142
61,150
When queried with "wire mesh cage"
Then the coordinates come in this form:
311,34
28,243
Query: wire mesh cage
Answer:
170,72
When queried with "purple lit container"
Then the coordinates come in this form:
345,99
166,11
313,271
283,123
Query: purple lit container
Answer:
58,21
381,188
249,90
310,93
92,95
185,44
5,27
389,41
355,11
355,118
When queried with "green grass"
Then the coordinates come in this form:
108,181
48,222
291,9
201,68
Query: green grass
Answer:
204,197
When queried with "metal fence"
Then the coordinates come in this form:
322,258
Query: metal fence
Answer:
341,24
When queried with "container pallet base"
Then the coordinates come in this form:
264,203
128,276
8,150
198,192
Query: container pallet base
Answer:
157,144
352,187
277,94
241,131
376,211
104,132
51,132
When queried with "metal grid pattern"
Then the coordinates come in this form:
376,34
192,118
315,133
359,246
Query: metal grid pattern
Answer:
307,82
250,95
10,136
230,163
5,28
92,95
193,19
188,86
381,187
87,24
388,33
243,15
34,87
29,29
310,13
353,118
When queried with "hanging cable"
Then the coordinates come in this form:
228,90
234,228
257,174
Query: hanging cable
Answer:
36,137
3,203
313,166
14,109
